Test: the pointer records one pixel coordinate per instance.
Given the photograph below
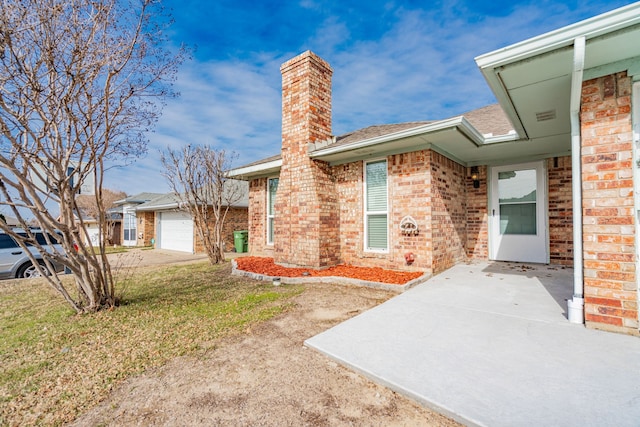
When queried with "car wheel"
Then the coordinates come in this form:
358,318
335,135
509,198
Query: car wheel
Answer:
29,270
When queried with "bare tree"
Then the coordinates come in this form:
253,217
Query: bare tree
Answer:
81,81
87,206
198,176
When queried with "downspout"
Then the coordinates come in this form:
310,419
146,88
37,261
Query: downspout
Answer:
575,306
635,121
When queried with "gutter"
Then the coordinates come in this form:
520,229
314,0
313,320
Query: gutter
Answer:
575,306
564,37
173,205
635,100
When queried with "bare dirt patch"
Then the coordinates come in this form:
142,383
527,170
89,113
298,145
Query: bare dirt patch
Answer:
266,377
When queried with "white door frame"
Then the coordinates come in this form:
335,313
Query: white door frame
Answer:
520,248
128,213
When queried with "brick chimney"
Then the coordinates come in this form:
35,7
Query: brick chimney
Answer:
306,229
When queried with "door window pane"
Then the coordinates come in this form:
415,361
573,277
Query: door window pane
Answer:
517,197
518,219
517,186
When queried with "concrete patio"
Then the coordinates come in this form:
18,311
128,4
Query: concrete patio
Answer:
490,344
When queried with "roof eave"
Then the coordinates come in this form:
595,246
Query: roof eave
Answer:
458,123
158,207
256,171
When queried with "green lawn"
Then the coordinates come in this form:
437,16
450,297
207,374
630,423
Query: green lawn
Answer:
54,364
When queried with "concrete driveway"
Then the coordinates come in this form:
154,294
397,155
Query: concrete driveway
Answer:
490,344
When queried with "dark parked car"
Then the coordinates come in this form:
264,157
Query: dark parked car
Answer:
14,262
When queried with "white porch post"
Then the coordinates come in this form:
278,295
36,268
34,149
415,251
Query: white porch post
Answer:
575,306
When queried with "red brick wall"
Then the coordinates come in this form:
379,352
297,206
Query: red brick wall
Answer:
610,289
408,193
424,185
477,218
560,211
448,212
258,218
146,228
349,188
236,219
306,220
410,189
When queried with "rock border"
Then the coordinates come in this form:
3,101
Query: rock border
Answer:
330,279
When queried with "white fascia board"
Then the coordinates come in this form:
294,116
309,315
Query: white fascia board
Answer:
158,207
242,172
598,25
459,122
501,138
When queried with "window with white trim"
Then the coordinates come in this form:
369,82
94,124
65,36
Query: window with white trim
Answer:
272,188
376,211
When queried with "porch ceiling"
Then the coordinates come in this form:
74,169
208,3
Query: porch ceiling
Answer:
532,79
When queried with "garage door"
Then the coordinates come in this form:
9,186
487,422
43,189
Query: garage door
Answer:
176,231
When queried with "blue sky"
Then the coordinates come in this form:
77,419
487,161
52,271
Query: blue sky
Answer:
393,61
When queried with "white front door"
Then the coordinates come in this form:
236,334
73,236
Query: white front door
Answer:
518,220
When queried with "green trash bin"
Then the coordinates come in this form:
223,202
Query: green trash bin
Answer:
241,240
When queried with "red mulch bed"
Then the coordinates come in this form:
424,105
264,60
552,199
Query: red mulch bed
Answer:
267,267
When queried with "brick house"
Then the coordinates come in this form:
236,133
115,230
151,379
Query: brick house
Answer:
495,183
132,227
170,228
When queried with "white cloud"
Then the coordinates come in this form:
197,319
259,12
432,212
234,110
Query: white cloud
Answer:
230,105
420,67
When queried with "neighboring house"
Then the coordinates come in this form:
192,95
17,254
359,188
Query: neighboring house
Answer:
173,229
132,227
114,219
11,221
550,175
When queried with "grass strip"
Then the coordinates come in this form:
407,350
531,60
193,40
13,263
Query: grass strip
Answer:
55,364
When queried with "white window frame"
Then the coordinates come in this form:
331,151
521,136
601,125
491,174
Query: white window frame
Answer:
270,216
368,213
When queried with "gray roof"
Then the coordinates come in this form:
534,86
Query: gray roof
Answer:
261,161
163,201
374,131
172,201
489,120
138,198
